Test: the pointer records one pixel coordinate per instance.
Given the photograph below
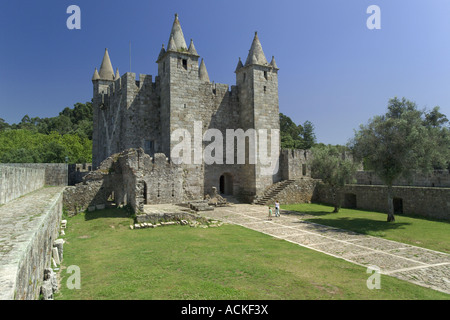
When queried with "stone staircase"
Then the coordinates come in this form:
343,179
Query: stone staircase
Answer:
271,193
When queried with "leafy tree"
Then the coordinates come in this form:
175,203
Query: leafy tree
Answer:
20,155
308,135
296,136
435,119
403,141
3,125
331,165
61,124
24,146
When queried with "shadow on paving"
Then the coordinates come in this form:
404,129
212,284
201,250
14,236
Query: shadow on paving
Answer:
360,225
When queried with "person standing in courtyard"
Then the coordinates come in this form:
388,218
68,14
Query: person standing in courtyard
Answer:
270,213
277,208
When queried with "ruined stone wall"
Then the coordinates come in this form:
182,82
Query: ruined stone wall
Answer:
163,181
134,178
96,188
77,171
82,196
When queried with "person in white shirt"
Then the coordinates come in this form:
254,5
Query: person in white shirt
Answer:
277,209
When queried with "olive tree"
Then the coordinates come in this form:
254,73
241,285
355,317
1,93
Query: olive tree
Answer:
401,142
335,169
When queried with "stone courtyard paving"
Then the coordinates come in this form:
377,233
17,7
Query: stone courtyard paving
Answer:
418,265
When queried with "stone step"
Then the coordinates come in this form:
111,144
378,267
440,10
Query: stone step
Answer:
273,191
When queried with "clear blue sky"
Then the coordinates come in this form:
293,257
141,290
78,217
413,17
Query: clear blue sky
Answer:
334,71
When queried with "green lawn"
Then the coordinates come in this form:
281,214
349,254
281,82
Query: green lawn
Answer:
414,230
229,262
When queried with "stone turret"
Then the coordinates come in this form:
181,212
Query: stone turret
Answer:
101,80
178,71
257,83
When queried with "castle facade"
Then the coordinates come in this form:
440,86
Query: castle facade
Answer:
149,113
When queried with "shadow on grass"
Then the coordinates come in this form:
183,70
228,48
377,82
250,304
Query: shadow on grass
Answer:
306,212
107,213
360,225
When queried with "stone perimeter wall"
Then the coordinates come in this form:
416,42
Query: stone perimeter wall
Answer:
34,220
56,174
437,178
18,181
29,228
422,201
31,268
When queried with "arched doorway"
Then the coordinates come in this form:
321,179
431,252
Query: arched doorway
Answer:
226,184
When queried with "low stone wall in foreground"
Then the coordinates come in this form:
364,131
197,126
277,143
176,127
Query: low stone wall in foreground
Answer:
29,228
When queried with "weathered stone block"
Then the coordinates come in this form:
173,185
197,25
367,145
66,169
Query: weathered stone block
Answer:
59,243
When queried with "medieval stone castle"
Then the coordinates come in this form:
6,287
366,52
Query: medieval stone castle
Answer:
144,113
133,143
136,163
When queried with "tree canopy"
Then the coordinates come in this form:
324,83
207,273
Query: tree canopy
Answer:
296,136
49,140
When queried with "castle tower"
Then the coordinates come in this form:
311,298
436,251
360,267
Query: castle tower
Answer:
178,71
257,82
101,81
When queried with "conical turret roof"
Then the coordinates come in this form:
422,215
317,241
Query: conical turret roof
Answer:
239,65
162,52
106,70
202,72
117,76
256,53
273,63
96,76
172,46
177,34
192,48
